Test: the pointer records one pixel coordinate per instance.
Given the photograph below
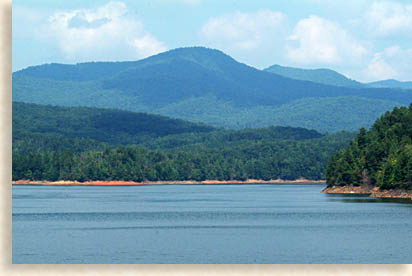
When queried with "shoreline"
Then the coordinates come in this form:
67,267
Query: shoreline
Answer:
184,182
372,192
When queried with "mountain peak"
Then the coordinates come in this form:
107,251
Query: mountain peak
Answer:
193,50
209,58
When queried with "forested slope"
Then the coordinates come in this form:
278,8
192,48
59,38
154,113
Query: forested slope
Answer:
55,143
379,157
105,125
325,76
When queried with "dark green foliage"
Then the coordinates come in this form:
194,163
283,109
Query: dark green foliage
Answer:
286,159
324,76
105,125
51,143
36,126
26,141
381,156
202,85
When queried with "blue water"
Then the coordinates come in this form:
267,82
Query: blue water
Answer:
282,223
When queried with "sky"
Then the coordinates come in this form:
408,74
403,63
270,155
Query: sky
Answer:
365,40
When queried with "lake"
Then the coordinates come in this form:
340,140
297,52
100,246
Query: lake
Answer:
264,223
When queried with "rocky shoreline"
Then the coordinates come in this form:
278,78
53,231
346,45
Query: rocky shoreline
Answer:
372,192
132,183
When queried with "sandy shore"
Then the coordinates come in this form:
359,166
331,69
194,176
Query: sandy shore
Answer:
132,183
373,192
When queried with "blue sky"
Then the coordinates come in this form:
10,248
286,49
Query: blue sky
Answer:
365,40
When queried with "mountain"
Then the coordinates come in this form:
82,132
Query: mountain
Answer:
391,83
379,157
204,85
324,76
79,143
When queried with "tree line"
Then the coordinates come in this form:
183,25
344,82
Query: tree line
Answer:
380,157
285,159
74,143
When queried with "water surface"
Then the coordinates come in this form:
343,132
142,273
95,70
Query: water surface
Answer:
264,223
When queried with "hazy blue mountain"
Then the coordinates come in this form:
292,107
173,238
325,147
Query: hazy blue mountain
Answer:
87,71
324,76
391,83
203,85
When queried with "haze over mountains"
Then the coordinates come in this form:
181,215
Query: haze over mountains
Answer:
324,76
330,77
204,85
391,84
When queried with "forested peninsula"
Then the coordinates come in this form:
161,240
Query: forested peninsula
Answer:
378,161
82,144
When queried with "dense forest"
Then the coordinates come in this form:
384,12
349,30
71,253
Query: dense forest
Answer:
105,125
379,157
205,85
59,143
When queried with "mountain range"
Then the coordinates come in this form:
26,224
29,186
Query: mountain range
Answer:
391,83
324,76
330,77
205,85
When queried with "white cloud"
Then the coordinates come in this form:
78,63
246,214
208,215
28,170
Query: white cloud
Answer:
321,41
105,33
392,63
148,45
386,18
245,31
256,37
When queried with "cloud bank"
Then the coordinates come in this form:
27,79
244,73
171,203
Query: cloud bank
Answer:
267,37
322,41
389,18
245,35
104,33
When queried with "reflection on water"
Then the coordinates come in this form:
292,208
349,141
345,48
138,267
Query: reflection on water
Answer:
265,223
364,198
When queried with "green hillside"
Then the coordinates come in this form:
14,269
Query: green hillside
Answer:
77,143
324,76
202,85
380,157
105,125
96,127
329,114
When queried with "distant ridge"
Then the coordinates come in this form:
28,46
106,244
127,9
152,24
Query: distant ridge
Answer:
391,83
324,76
